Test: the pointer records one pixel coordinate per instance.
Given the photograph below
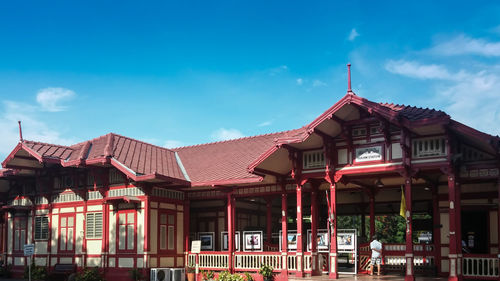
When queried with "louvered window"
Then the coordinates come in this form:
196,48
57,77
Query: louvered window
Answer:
94,225
41,228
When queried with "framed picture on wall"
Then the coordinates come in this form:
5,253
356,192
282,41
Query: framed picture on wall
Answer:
252,241
322,239
291,240
207,240
224,243
346,241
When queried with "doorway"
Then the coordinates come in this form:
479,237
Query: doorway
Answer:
475,231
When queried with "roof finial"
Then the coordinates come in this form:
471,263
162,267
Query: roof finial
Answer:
349,89
20,132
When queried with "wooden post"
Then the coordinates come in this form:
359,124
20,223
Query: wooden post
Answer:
458,228
409,273
269,212
498,221
314,229
284,232
299,253
230,230
436,233
452,221
372,214
186,230
333,232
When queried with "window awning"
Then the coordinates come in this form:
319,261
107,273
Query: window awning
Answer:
123,199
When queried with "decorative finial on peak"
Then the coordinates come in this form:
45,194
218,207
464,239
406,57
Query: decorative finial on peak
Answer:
20,132
349,89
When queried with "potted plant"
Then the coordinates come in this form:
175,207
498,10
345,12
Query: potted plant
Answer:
190,271
267,272
207,275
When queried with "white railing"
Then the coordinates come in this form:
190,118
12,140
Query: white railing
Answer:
213,260
255,261
191,260
292,262
429,147
307,262
401,260
480,267
402,247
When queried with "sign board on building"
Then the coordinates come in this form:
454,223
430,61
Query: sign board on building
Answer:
196,246
366,154
29,250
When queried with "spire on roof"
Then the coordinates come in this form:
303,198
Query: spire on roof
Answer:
349,89
20,132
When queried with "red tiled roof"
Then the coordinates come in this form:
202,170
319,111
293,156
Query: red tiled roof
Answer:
49,150
219,162
138,157
413,113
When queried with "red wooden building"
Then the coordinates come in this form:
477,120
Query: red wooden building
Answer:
119,203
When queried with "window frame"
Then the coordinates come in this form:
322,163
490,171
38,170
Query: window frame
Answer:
126,212
41,238
15,237
167,225
94,226
66,216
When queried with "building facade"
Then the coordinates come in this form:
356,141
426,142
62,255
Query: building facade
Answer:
119,203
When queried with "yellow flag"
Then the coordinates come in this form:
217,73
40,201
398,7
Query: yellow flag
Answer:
402,209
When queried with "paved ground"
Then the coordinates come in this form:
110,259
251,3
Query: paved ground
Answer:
365,278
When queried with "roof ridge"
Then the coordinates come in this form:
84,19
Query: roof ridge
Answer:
118,135
46,143
237,139
386,104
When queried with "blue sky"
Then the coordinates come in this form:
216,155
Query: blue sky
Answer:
186,72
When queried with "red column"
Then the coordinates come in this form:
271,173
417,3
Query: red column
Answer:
452,221
314,230
372,214
458,228
230,230
498,221
436,233
186,229
299,253
333,233
284,231
269,212
409,274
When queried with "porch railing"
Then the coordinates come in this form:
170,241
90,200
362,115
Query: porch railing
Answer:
480,266
253,261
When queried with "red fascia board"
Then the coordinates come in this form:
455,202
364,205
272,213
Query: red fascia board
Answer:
160,177
262,157
227,182
462,128
18,147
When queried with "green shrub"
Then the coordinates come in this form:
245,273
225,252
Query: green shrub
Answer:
248,276
136,274
89,274
207,274
266,271
37,272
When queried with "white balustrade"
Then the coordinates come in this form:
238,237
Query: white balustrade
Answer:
292,262
480,267
307,262
213,260
252,261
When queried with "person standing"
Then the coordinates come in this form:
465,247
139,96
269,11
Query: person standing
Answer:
376,248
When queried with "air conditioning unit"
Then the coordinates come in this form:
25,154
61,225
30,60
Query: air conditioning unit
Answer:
160,274
178,274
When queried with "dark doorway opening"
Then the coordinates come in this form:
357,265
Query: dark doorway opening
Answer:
475,231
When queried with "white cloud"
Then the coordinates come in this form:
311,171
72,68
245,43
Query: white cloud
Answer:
464,45
318,83
172,144
353,34
265,124
278,70
415,69
50,98
226,134
300,81
468,97
33,127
